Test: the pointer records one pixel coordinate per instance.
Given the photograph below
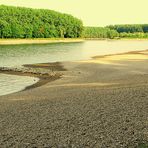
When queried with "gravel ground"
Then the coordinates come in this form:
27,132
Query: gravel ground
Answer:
91,106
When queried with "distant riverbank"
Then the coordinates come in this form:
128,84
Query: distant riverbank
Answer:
39,41
57,40
136,39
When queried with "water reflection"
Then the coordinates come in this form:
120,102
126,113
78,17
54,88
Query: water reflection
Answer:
13,55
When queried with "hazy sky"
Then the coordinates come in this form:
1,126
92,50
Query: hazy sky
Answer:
94,12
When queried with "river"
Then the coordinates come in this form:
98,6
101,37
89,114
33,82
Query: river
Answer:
17,55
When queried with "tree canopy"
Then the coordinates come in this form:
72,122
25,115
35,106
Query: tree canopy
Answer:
99,32
117,31
20,22
130,28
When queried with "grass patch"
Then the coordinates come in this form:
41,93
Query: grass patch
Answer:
142,145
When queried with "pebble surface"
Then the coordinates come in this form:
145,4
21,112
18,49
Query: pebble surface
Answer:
76,111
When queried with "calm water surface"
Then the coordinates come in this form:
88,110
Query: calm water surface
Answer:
17,55
10,84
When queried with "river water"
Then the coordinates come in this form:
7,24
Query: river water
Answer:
17,55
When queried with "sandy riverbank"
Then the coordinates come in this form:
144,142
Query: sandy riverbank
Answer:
101,102
37,41
59,40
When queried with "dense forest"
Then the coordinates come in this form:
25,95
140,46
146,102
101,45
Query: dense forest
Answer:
117,31
19,22
130,28
131,31
99,32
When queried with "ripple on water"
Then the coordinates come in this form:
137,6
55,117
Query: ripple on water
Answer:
12,83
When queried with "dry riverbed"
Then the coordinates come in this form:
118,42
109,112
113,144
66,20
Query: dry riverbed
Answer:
101,102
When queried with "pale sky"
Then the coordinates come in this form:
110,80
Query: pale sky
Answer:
94,12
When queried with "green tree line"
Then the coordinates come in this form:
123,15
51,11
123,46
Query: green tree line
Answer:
20,22
99,32
128,28
131,30
117,31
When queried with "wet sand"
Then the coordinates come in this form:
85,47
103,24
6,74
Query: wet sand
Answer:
46,72
99,103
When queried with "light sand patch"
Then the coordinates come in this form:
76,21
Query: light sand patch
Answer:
37,41
114,59
82,84
100,61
